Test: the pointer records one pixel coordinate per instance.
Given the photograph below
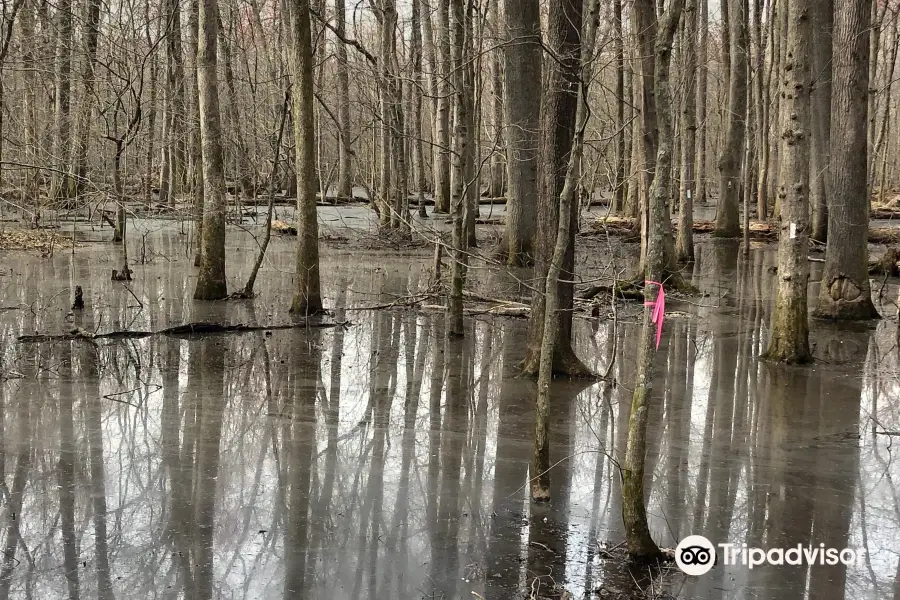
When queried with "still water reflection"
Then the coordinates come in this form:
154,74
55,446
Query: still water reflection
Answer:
382,461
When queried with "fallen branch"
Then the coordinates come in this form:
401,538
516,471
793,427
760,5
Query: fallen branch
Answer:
188,329
627,291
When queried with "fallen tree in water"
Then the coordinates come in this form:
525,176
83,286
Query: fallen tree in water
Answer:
758,231
188,329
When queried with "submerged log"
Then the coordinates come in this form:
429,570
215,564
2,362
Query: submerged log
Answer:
758,231
188,329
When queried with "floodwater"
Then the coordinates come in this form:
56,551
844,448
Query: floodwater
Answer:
381,461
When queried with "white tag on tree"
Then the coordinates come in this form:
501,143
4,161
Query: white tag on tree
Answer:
793,230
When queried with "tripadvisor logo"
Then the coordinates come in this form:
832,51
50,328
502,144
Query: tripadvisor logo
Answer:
696,555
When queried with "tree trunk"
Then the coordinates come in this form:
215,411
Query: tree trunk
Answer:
558,110
619,186
243,169
211,284
462,140
820,97
540,471
522,102
684,244
442,157
658,103
496,180
172,172
728,213
655,51
845,291
763,104
874,44
196,149
789,340
29,112
59,179
308,296
417,133
151,131
702,91
344,181
83,124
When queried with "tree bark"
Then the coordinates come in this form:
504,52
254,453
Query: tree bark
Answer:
193,113
619,186
558,110
684,243
655,50
59,178
762,107
657,230
308,295
702,90
460,164
83,124
522,103
728,213
496,181
172,172
442,157
30,137
845,292
789,341
344,180
820,97
540,471
211,284
419,165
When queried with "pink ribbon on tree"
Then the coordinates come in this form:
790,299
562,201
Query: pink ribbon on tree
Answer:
658,314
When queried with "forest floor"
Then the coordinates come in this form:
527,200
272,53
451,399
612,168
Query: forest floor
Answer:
408,454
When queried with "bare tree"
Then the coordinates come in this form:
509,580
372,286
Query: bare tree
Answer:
59,178
211,284
820,97
442,129
727,214
344,180
845,292
522,102
540,478
558,107
308,295
658,113
461,164
684,243
83,123
497,178
789,341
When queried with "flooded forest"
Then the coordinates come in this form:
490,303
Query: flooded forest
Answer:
449,299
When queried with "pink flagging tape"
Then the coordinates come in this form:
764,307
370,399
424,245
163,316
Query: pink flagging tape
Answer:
659,310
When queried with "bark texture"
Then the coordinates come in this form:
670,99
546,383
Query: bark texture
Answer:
307,296
684,243
522,101
657,231
558,107
728,213
845,292
789,341
344,180
820,98
211,283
